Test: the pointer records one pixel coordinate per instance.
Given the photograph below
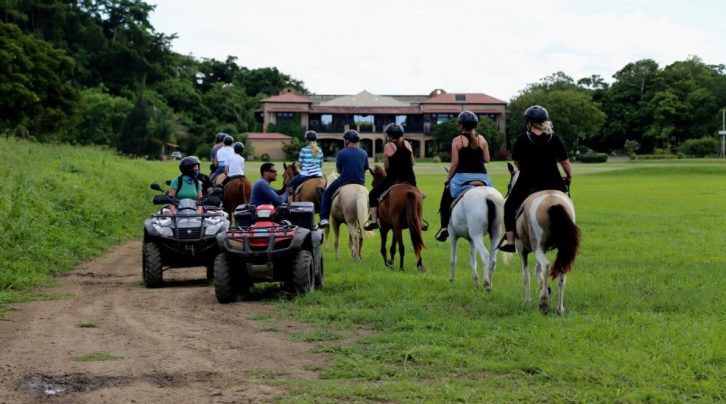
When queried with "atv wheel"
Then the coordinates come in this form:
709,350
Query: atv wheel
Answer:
302,272
152,272
318,278
224,287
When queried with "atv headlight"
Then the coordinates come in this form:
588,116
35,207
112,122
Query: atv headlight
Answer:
212,229
164,231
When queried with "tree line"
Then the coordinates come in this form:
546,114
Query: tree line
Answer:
97,72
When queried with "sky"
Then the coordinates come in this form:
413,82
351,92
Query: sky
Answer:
413,47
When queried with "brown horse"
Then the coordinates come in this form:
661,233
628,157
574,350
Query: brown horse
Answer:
309,191
401,208
236,192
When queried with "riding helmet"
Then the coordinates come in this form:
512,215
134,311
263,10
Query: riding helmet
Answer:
352,136
394,130
311,136
536,114
467,119
220,136
239,148
186,165
228,140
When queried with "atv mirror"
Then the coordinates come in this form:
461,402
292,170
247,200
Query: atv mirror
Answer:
156,187
168,182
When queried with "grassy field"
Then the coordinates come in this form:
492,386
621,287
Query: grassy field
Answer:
645,302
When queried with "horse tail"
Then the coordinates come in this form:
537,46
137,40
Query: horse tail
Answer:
566,238
491,215
413,220
361,209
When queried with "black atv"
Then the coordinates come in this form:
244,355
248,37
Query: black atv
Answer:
182,239
269,245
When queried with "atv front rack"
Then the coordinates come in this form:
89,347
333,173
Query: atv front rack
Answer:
271,242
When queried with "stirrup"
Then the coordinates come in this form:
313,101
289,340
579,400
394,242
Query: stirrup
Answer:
371,225
508,248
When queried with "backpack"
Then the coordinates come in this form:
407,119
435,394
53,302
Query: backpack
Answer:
180,181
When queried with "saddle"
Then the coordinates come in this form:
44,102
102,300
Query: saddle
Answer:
474,184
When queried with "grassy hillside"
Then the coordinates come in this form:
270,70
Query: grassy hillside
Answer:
61,204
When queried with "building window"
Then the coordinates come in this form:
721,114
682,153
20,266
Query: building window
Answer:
326,119
401,119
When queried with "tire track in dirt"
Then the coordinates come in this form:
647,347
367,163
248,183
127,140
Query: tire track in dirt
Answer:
173,344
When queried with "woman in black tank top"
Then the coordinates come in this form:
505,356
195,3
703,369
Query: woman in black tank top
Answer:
398,162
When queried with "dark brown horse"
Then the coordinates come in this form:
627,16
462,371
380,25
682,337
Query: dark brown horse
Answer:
401,208
236,192
309,191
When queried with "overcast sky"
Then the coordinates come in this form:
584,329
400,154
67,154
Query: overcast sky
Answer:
413,47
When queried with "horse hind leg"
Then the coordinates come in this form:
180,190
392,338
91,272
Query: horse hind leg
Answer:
452,259
541,273
398,238
472,262
525,275
561,298
384,253
486,261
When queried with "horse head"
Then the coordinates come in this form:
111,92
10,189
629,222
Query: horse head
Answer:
378,173
289,171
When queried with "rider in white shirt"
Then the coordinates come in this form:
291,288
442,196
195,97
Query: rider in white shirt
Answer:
223,154
235,166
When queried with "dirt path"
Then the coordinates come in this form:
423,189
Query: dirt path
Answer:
174,344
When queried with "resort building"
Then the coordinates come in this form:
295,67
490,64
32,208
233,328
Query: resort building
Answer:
331,115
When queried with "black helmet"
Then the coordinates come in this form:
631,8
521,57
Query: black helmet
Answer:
352,136
394,130
311,136
228,140
536,114
467,119
220,136
186,165
239,148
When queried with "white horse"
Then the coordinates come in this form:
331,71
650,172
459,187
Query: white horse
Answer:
480,210
350,206
547,222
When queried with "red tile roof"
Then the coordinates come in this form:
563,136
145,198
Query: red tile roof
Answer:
268,135
319,109
471,98
288,98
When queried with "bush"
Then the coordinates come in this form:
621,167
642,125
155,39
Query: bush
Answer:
436,159
444,156
265,157
594,158
655,156
702,147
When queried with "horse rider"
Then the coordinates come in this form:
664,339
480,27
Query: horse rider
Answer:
398,161
235,167
187,185
469,152
535,154
219,142
262,191
311,162
352,163
223,154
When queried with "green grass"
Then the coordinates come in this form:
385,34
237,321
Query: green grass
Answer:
97,357
645,302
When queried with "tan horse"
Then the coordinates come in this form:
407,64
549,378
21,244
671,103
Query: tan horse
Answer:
350,206
547,222
237,191
309,191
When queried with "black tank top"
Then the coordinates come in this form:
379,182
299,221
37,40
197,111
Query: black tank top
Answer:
470,160
400,167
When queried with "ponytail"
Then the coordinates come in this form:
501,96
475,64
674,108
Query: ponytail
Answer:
473,138
313,148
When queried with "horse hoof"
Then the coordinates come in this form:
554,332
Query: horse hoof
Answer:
421,269
561,312
389,264
544,308
487,286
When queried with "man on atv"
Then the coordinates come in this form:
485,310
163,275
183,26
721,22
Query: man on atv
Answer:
187,185
262,191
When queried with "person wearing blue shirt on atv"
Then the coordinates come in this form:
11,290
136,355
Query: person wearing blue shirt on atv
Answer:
186,186
352,164
262,191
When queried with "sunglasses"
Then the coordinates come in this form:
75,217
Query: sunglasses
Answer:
271,171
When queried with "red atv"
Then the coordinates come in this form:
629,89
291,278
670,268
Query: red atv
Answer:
269,245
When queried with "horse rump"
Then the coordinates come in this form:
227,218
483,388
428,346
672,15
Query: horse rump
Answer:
565,236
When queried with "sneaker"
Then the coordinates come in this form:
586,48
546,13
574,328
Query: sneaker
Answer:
323,224
442,235
371,225
508,248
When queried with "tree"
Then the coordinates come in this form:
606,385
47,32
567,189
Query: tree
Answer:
134,137
100,118
35,92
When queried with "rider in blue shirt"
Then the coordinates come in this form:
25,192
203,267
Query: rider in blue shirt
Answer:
352,164
262,191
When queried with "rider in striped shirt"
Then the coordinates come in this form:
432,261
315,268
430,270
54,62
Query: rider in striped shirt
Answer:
311,160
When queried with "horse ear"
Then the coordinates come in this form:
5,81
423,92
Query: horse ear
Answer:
284,165
511,168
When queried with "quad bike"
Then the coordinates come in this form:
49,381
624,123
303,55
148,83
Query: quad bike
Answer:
269,245
182,239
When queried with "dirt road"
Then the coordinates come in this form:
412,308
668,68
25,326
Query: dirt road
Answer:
107,339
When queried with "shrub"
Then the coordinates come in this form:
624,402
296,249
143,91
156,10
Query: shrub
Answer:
702,147
265,157
594,158
436,159
444,156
